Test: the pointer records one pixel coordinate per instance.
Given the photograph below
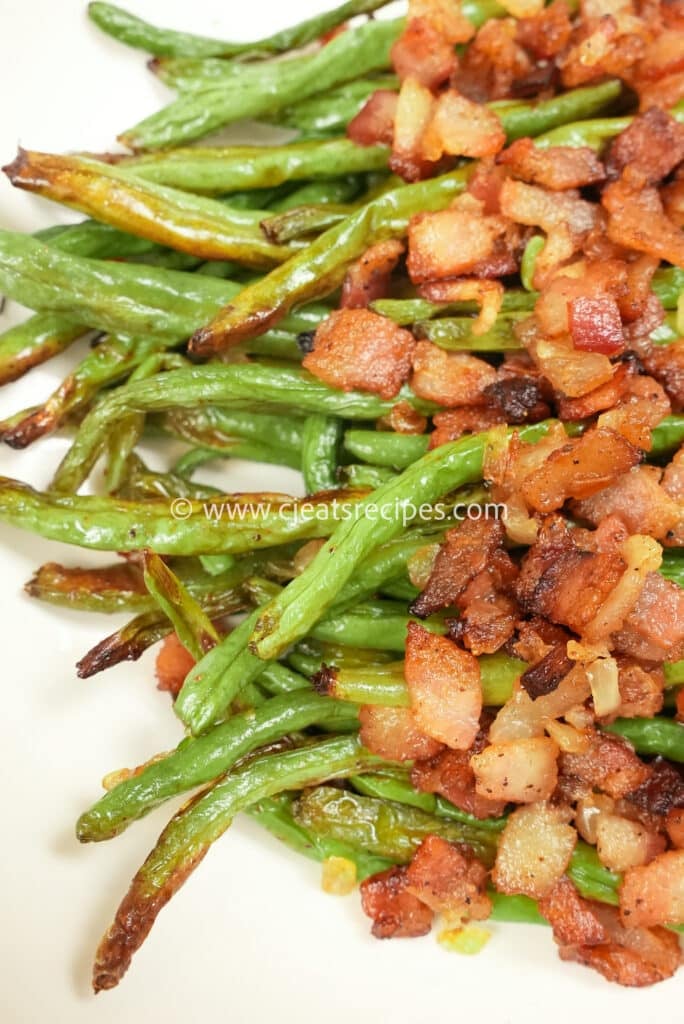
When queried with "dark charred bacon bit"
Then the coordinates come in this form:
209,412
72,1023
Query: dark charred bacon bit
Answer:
454,423
392,733
449,774
374,123
609,764
579,469
449,378
355,348
395,912
652,146
422,52
520,399
545,676
572,918
661,791
448,881
557,168
368,279
666,364
637,219
637,499
654,629
173,664
464,553
595,325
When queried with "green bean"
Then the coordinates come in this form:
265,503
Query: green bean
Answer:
321,267
324,191
224,432
593,133
113,588
575,105
357,475
672,567
383,448
333,110
668,435
188,836
590,877
141,484
397,788
189,223
278,680
192,625
674,673
319,452
652,736
514,909
529,257
303,221
410,311
199,760
668,285
455,334
133,31
250,451
275,815
309,657
219,170
98,241
264,88
35,341
381,565
386,685
305,600
274,344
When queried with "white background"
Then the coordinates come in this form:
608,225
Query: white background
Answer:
251,937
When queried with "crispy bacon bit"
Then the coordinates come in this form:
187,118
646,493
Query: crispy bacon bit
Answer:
675,827
572,918
520,398
488,610
661,791
534,850
654,629
459,127
666,364
638,499
654,893
641,691
449,378
444,688
610,765
523,771
601,398
488,294
557,168
354,348
464,553
412,117
637,219
173,664
493,62
637,413
404,419
543,678
651,146
395,912
368,279
449,774
622,843
449,882
446,16
374,123
569,371
522,717
485,185
450,243
421,52
596,325
548,32
392,733
454,423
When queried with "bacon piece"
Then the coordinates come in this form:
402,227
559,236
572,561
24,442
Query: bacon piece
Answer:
654,629
595,325
492,62
637,413
449,378
663,57
637,219
622,843
641,691
653,894
172,665
449,882
673,485
544,677
522,771
396,913
666,92
454,423
464,553
583,279
421,52
404,419
666,364
444,688
485,186
571,917
368,279
460,127
602,49
601,398
534,850
451,243
609,764
446,16
449,774
374,123
411,119
488,294
675,827
392,733
488,612
354,348
652,146
546,34
557,168
661,792
521,399
579,469
639,501
521,717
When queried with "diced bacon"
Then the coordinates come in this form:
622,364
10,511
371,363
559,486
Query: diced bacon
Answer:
569,371
492,63
595,325
173,664
641,691
556,168
602,50
583,279
651,146
485,185
446,16
411,119
368,279
449,774
392,733
654,629
666,364
396,913
672,196
354,348
449,378
488,612
548,32
454,423
637,219
464,553
654,893
459,127
451,243
374,123
638,499
622,843
488,294
421,52
572,918
448,881
664,54
665,93
660,792
522,771
404,419
601,398
674,824
522,717
444,688
609,764
544,677
638,412
534,850
579,469
673,485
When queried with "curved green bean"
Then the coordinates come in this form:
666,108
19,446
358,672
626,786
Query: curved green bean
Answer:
652,736
320,445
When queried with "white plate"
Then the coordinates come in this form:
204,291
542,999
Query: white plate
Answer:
251,936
